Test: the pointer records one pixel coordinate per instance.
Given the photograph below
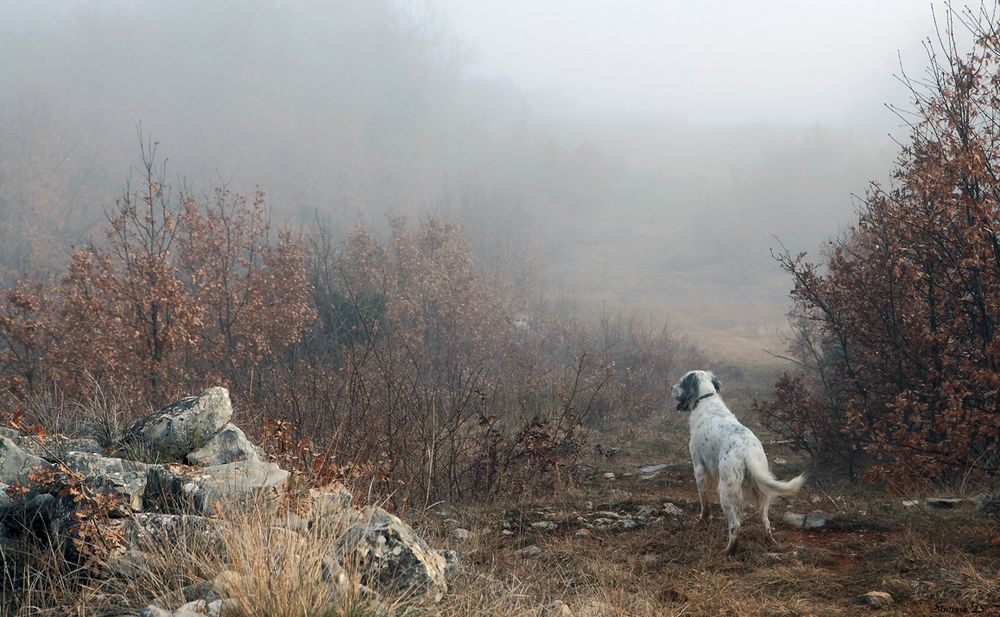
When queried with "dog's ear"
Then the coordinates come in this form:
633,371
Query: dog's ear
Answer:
716,384
690,384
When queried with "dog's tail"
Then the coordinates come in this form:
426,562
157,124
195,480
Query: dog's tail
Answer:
766,481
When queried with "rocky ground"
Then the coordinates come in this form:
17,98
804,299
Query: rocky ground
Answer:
626,541
182,516
172,504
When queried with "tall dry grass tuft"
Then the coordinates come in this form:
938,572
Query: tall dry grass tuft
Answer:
955,578
259,567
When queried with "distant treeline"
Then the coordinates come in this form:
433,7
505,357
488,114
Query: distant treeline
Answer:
400,358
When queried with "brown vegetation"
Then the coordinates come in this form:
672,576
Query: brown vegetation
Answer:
897,328
393,358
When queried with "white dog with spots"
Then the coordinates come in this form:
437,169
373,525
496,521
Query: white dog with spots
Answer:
724,449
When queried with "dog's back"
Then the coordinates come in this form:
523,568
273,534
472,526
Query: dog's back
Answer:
715,432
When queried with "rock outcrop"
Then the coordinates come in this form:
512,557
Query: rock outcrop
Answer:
181,427
196,466
392,556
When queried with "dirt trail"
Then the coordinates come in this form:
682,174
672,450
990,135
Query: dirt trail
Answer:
632,545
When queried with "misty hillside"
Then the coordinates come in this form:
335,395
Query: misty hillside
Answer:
505,308
348,111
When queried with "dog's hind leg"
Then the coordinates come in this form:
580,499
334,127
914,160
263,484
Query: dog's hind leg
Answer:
728,498
765,504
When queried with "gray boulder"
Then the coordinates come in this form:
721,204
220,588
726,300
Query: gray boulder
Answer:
91,464
147,529
56,447
129,564
123,478
181,427
200,490
16,464
229,445
331,506
130,540
32,512
391,556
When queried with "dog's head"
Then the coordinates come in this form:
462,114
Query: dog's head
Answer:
693,386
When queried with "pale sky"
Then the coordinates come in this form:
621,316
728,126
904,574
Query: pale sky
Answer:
721,61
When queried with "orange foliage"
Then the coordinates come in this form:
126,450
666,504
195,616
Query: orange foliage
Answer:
176,298
898,327
254,295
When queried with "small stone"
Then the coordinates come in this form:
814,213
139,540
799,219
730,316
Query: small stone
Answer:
672,593
452,567
988,504
653,468
460,535
609,476
875,598
545,526
557,609
909,503
781,461
672,510
608,514
812,520
529,551
945,503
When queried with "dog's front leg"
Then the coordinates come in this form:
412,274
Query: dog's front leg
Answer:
700,477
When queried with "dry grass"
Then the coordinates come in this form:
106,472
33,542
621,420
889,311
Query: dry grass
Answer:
929,561
933,562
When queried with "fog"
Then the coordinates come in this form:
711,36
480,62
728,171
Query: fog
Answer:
646,155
